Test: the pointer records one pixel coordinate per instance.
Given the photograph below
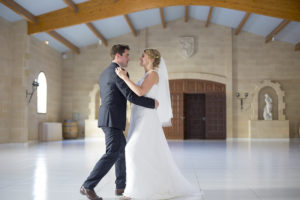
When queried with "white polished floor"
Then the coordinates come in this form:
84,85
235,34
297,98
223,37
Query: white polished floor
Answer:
225,170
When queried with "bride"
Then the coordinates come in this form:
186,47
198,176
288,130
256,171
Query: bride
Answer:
151,170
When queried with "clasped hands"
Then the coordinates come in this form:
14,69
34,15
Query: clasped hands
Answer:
122,73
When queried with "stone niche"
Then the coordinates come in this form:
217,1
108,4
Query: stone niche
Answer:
91,124
257,126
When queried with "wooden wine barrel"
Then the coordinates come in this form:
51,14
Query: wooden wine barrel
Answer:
70,129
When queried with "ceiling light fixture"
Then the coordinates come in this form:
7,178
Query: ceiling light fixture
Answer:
64,56
46,42
273,38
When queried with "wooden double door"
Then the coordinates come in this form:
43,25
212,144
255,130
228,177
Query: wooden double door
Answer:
199,110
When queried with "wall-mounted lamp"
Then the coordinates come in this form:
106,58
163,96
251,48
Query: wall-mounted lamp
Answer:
35,84
238,95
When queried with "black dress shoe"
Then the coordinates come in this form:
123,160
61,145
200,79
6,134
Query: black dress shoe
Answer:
119,192
89,193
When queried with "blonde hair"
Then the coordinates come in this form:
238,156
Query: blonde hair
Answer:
155,55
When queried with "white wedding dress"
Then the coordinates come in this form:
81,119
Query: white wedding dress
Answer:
151,170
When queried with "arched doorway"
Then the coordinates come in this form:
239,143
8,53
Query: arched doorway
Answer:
199,110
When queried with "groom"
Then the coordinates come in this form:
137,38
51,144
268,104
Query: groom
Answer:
114,94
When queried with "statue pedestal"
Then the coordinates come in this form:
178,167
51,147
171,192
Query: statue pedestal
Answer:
268,129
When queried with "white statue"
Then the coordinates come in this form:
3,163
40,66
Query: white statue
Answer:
268,108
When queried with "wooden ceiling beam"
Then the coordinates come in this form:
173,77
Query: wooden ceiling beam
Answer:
242,23
130,25
186,16
281,26
297,47
92,28
95,10
72,5
20,10
97,33
163,23
208,16
64,41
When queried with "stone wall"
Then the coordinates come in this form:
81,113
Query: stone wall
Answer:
254,61
238,61
5,79
22,58
42,58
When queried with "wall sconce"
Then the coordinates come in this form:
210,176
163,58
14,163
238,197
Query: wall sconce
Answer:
35,84
238,95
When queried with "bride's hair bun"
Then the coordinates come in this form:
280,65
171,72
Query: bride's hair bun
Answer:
155,55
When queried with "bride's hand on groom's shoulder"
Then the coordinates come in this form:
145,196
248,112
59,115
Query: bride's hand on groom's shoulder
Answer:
122,73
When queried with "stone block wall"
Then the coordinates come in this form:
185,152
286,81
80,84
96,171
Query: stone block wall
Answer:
254,61
22,58
240,62
5,80
211,59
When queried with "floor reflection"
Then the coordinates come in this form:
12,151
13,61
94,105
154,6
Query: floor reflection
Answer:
40,179
227,170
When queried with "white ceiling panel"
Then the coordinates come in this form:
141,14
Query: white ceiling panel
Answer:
227,17
52,42
199,12
8,14
291,33
80,35
38,7
174,12
261,25
145,18
112,27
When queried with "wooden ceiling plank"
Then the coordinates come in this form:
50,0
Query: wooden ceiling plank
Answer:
281,26
242,23
130,25
95,10
72,5
97,33
20,10
163,23
209,16
186,16
297,47
64,41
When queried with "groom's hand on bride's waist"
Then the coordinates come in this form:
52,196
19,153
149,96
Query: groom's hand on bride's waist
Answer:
156,104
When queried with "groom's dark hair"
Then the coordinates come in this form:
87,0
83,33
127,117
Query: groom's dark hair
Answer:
118,48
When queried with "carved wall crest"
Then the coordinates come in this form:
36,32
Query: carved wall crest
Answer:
186,46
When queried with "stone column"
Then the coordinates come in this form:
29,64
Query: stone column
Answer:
228,62
18,108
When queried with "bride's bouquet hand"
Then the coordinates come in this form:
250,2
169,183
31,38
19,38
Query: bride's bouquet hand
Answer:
122,73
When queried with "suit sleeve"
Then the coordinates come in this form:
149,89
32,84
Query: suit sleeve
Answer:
132,97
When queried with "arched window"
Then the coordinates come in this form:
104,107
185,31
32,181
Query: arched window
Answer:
42,93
